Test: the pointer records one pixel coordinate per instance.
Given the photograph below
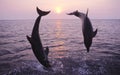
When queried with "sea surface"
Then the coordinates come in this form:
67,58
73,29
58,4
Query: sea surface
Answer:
68,55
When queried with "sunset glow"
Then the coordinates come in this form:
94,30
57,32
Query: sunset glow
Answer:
58,10
97,8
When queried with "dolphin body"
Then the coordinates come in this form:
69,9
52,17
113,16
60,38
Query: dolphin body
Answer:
35,41
87,28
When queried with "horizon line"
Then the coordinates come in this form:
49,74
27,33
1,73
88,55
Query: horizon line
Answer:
65,19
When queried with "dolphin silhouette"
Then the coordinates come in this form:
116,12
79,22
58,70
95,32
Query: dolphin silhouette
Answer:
87,28
35,41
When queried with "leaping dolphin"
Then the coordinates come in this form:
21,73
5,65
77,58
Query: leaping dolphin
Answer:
87,28
36,44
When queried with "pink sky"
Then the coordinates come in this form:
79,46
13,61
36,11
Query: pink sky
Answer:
25,9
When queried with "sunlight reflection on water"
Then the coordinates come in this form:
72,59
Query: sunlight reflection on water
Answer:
67,52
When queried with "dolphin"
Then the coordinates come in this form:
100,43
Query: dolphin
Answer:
35,41
87,28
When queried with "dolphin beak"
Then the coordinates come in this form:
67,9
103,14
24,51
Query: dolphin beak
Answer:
70,13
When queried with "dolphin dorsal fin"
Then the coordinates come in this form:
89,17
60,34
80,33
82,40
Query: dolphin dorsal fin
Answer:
47,50
94,33
46,53
87,12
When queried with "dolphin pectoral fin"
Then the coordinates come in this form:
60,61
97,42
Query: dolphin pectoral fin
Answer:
94,33
29,39
47,50
42,13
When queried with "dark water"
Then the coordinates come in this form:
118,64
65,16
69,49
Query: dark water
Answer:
67,55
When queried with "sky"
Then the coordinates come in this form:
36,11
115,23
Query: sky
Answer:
26,9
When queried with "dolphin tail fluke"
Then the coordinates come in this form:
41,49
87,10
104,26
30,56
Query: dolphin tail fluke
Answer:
94,33
42,13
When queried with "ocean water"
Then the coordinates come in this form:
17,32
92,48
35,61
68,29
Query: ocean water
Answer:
68,55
